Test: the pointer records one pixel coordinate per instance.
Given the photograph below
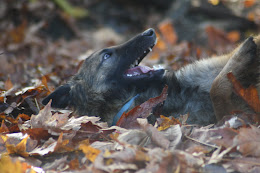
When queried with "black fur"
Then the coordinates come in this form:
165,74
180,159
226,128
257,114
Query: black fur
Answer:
101,87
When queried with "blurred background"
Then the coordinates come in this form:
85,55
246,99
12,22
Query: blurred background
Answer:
46,41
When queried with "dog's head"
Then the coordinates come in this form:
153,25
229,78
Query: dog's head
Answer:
111,69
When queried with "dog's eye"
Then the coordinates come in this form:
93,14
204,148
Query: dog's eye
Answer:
106,56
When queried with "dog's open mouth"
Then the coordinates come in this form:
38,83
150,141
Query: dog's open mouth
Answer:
136,71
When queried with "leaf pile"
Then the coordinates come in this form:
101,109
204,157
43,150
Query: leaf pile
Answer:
35,59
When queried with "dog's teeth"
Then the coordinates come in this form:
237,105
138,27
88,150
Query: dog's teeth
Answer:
150,49
136,62
155,41
158,67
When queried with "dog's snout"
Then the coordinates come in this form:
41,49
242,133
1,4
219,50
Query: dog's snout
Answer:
149,32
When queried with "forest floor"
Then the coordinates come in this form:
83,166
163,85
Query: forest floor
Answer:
43,43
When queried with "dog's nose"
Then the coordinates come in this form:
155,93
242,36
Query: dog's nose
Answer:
149,32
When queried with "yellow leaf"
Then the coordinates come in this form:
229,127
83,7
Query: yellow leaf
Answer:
19,149
8,166
90,152
4,138
214,2
167,122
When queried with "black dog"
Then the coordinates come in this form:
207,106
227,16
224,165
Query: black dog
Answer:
109,78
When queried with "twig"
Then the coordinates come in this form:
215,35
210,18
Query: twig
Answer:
213,146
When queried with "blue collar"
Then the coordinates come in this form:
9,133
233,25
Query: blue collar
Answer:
124,109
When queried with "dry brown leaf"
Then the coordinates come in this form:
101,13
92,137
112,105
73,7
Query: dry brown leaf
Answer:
129,120
8,84
37,133
250,95
17,35
157,138
74,164
248,141
226,136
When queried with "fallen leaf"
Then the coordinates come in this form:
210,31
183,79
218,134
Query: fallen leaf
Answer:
17,34
8,84
74,164
168,32
129,120
233,36
248,141
19,149
61,145
37,133
90,152
157,138
167,122
9,166
249,3
3,127
250,94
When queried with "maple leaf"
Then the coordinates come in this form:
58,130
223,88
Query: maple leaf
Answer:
19,149
129,120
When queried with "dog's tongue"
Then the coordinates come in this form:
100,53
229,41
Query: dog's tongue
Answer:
138,70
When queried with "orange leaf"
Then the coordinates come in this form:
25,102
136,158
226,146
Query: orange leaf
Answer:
61,145
167,122
44,81
8,166
19,149
250,94
233,36
74,164
249,3
3,127
90,152
168,32
24,117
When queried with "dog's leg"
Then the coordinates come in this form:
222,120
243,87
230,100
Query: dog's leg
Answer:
244,64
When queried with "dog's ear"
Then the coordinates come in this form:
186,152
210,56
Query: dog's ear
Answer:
60,97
